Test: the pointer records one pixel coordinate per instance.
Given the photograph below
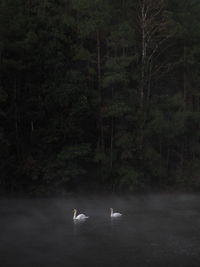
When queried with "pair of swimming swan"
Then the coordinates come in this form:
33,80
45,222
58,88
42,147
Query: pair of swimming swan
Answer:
83,216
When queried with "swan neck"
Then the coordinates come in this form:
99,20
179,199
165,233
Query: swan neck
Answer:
75,211
111,212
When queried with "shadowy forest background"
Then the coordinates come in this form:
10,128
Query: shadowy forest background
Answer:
99,94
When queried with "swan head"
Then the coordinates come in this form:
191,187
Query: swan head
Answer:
74,210
111,209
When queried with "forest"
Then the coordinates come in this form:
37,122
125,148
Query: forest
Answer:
99,95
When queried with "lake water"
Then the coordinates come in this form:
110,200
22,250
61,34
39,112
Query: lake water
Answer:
155,230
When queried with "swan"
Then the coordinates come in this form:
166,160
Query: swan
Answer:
80,216
114,215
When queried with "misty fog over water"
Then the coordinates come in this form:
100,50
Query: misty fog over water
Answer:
155,230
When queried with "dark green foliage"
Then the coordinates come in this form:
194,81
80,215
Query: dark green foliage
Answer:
92,95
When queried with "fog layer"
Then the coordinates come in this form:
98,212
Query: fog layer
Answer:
155,230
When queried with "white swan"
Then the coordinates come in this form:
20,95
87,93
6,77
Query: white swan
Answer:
114,215
80,216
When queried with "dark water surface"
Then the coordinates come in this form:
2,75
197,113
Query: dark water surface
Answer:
155,230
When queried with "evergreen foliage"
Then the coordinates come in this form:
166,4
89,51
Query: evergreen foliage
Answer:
99,93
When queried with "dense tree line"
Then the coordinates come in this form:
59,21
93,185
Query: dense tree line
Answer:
99,93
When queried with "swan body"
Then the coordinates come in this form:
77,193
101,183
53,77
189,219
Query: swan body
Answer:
80,216
114,214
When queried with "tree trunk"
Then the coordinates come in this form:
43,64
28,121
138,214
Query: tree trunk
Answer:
168,156
143,53
111,143
111,136
101,132
16,120
184,78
